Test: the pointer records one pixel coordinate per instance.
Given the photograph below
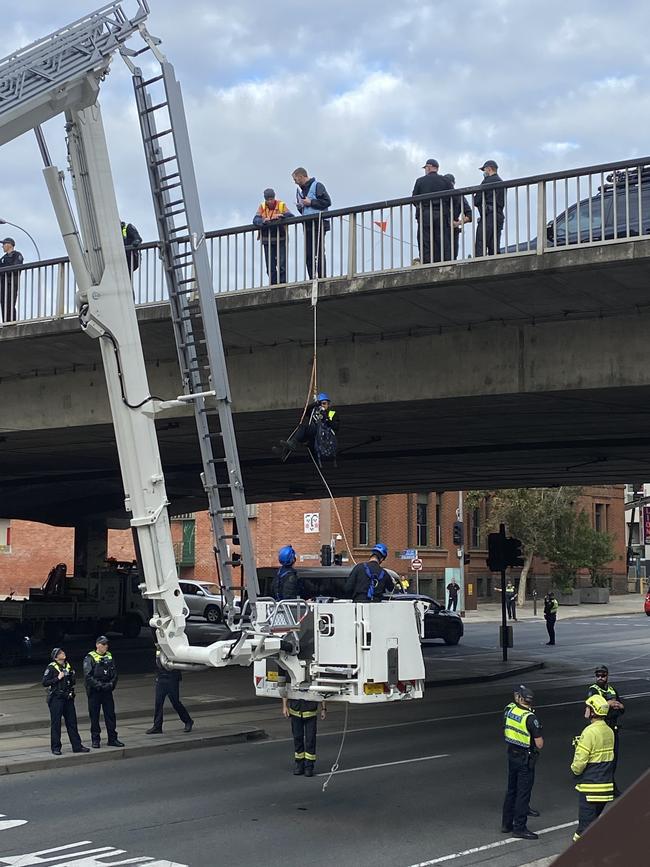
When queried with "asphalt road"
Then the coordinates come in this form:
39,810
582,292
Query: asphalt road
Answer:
418,782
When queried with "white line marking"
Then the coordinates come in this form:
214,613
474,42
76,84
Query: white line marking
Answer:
385,765
6,824
488,846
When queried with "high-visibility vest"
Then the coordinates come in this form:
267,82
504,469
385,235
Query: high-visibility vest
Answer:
593,762
98,657
273,213
311,194
515,730
608,693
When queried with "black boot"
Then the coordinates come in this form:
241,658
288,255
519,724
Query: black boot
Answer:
153,731
299,769
81,749
95,743
309,770
115,743
188,726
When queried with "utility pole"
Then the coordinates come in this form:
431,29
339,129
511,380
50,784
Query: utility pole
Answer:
461,555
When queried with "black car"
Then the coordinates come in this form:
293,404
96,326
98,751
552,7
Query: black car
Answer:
438,622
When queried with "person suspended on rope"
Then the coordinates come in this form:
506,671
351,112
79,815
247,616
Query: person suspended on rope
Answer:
318,430
368,581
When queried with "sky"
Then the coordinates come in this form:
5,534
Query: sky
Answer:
360,92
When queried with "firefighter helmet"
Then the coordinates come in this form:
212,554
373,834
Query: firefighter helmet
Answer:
287,556
598,705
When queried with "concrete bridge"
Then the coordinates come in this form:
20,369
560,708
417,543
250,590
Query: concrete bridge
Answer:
514,370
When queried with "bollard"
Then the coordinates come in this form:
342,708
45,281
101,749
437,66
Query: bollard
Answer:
535,603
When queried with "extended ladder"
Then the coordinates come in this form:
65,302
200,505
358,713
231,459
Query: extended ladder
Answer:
193,306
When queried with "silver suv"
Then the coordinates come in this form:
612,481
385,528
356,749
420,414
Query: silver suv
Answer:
203,600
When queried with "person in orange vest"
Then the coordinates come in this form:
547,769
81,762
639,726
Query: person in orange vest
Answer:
273,235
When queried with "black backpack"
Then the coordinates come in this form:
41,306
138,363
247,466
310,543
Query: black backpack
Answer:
324,442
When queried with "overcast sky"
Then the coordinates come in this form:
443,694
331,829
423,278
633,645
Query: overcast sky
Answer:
360,92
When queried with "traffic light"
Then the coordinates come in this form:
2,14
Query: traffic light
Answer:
503,552
458,534
514,553
326,555
466,559
338,559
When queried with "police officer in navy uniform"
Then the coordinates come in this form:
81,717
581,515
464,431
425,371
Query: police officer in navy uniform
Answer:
59,680
304,723
604,688
101,679
368,581
523,735
9,280
132,240
168,686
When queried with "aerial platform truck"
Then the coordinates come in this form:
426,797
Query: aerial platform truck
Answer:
339,650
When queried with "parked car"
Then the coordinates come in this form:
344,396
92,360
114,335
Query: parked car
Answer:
647,604
438,622
203,600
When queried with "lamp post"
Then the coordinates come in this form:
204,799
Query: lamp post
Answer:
4,222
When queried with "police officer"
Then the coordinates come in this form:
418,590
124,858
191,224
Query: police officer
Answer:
511,600
604,688
101,679
433,216
168,686
304,722
593,764
132,240
490,206
9,280
551,606
523,735
59,680
368,581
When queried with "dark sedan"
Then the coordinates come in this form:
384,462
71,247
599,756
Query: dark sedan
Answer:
438,622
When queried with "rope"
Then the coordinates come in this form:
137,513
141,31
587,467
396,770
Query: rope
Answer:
336,508
335,766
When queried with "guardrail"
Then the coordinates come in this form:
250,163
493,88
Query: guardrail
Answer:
595,205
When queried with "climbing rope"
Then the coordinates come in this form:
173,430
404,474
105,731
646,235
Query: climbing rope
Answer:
336,509
335,766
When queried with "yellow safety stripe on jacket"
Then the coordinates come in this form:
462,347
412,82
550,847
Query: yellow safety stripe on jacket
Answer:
593,762
55,664
124,231
331,413
280,208
607,694
303,714
515,729
98,657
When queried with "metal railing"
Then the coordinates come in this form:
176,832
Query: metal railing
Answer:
595,205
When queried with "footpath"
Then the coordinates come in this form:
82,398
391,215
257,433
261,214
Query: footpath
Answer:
490,612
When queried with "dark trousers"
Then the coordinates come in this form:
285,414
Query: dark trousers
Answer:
63,708
492,244
511,605
430,241
453,603
550,627
9,299
303,730
456,243
615,763
168,689
521,777
588,812
275,254
102,701
315,247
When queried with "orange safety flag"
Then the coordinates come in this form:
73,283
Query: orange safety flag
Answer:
382,224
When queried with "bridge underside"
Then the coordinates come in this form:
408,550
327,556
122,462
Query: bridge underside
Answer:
61,476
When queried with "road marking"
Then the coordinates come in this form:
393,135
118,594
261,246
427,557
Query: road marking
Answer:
6,824
77,856
488,846
385,765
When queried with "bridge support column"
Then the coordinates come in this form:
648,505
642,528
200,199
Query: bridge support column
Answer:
90,547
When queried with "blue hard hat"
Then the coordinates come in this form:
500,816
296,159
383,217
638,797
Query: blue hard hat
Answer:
287,556
323,396
380,549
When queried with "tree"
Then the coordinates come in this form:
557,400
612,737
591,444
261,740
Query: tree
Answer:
577,545
532,515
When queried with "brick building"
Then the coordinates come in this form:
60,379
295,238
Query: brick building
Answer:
420,521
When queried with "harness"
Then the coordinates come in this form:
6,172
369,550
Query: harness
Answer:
283,571
373,581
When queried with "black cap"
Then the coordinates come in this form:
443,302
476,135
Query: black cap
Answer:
269,193
524,692
450,178
431,162
489,164
101,639
9,241
600,668
55,653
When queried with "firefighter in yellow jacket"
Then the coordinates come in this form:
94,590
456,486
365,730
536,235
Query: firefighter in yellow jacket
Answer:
273,235
593,764
304,722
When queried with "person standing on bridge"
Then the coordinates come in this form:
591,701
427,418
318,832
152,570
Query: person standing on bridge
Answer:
9,280
593,764
132,241
461,213
604,688
368,581
523,734
59,680
433,216
490,206
273,235
101,679
313,199
551,606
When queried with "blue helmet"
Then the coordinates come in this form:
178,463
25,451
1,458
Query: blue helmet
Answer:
380,549
287,556
323,395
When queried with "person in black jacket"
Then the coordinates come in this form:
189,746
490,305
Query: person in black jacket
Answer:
490,206
101,679
313,198
318,430
132,241
433,215
461,214
59,680
168,686
9,280
368,581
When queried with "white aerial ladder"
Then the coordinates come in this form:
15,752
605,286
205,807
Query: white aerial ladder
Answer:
336,649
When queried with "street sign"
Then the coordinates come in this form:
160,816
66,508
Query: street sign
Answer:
646,525
416,564
409,554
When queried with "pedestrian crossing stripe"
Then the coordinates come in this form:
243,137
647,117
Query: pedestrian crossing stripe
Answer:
6,824
78,856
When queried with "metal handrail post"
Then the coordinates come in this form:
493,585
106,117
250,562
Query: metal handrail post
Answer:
541,217
60,290
352,245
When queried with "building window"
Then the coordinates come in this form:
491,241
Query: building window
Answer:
5,536
475,540
362,527
438,520
600,517
421,521
377,519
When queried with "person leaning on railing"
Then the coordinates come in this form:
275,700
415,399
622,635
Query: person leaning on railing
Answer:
490,206
9,280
